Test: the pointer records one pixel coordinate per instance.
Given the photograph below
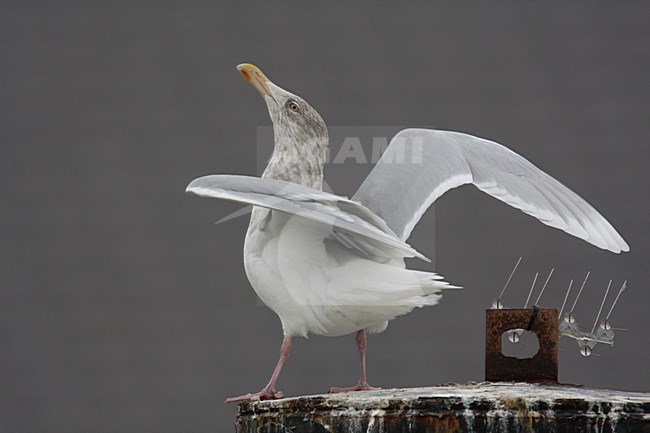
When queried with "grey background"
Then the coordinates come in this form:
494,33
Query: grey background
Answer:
123,308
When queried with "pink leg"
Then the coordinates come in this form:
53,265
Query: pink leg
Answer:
363,382
269,392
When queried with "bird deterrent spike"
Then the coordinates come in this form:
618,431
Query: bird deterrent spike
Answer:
565,298
616,300
544,286
601,307
531,290
579,292
509,278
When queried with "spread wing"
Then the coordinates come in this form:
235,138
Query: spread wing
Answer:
420,165
357,227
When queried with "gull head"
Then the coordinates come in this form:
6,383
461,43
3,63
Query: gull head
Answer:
300,134
295,122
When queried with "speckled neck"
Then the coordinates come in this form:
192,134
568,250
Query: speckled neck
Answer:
298,159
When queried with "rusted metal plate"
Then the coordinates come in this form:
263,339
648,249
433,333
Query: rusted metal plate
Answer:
543,366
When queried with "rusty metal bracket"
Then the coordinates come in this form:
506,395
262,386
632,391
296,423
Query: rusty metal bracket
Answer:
543,367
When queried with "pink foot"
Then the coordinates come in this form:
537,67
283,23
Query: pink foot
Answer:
265,394
361,386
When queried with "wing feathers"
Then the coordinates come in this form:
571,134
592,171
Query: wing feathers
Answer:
341,213
400,192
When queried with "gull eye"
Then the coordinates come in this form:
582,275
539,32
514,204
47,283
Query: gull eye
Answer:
293,106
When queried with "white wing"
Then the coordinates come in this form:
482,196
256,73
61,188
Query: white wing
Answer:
420,165
349,218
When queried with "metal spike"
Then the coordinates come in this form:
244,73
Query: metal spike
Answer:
580,292
531,290
565,298
601,307
510,277
544,287
616,300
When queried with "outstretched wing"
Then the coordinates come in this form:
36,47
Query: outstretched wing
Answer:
349,218
420,165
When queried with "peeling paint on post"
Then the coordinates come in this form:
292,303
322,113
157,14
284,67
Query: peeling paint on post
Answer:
476,408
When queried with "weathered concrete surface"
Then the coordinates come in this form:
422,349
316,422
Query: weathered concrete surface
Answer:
483,407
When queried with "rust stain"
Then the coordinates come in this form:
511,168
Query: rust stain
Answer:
516,404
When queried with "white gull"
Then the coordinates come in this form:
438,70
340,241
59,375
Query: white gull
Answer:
329,265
